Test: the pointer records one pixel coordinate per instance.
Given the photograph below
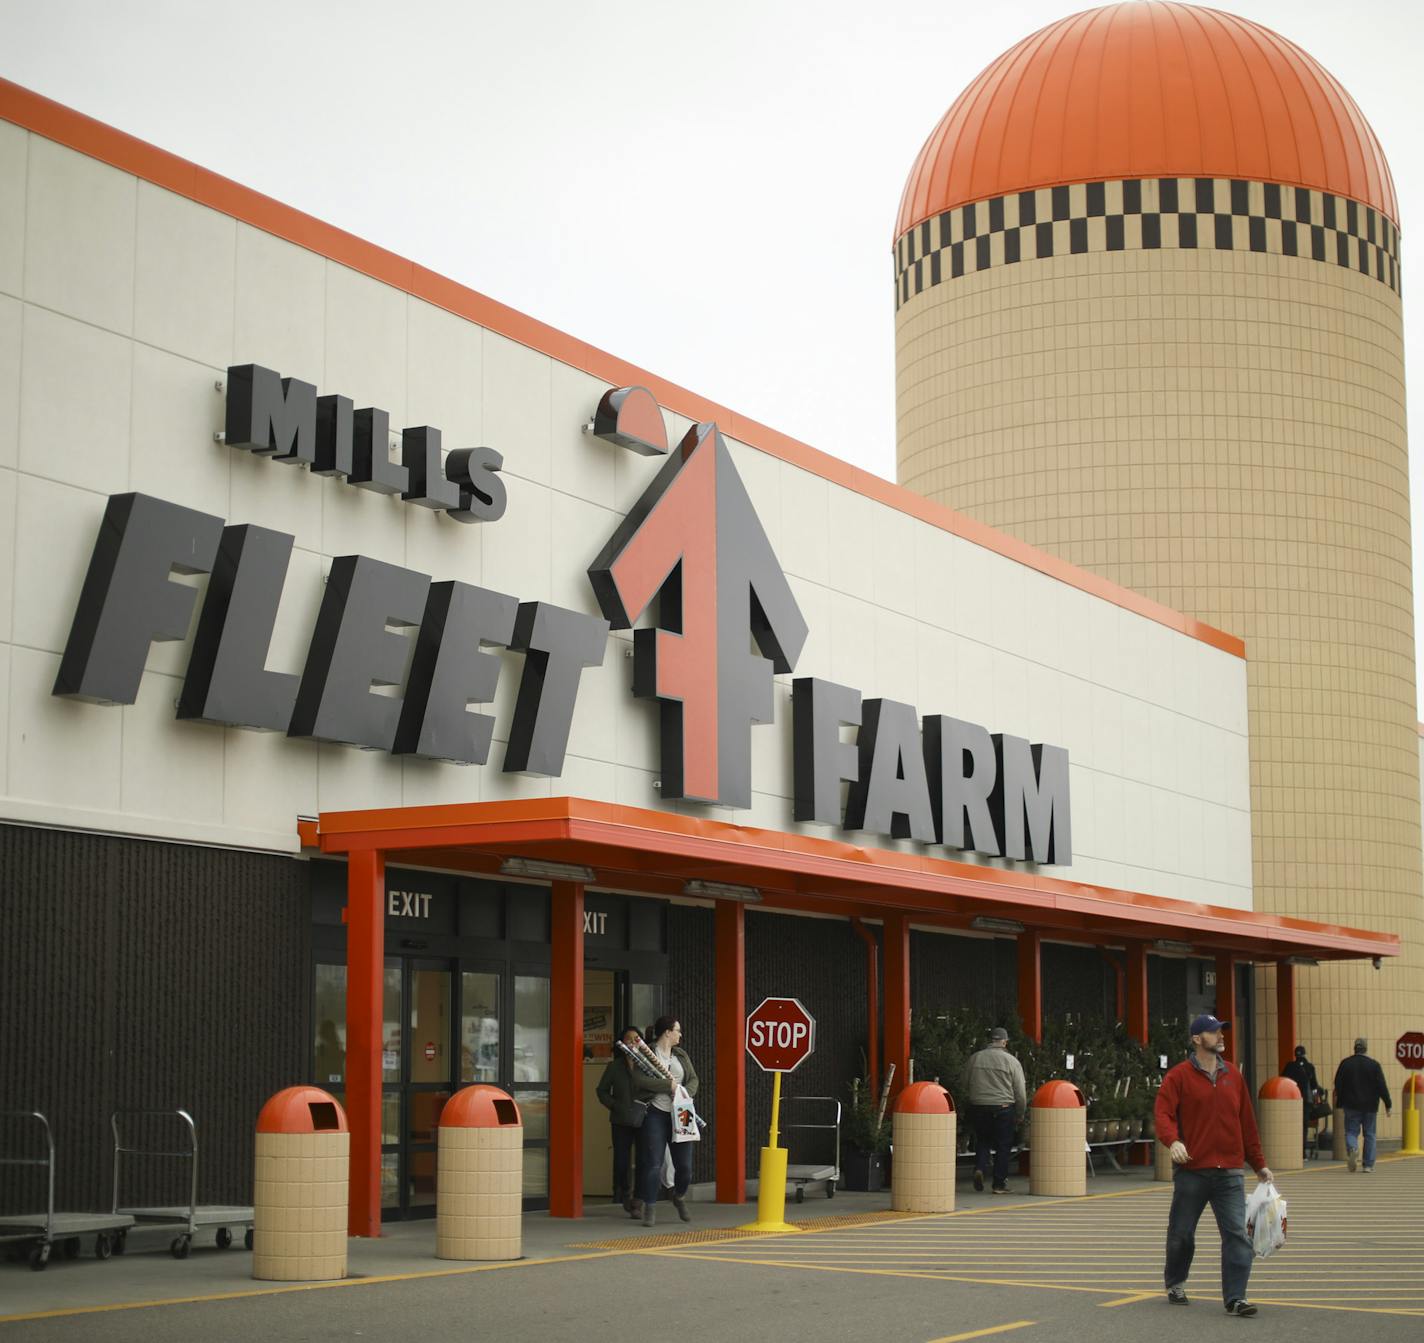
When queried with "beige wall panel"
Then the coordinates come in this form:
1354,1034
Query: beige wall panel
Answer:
1224,432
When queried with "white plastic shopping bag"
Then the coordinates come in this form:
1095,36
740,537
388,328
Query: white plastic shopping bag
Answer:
684,1117
1266,1219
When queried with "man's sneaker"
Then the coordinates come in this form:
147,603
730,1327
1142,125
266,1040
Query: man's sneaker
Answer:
1369,1170
1240,1306
1001,1189
978,1181
1350,1159
1177,1296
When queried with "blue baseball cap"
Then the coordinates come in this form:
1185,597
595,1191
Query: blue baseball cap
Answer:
1207,1022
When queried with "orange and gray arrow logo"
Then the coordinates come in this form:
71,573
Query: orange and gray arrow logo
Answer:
694,543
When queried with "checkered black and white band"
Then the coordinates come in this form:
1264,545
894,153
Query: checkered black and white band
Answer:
1147,214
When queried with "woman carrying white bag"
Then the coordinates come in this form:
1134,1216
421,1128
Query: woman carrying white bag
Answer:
667,1081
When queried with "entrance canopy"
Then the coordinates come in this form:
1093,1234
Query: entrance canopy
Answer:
656,853
581,843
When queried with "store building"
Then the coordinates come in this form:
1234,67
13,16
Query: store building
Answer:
402,693
1190,287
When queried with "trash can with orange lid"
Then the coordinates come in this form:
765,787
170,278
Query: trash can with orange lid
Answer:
1058,1125
480,1179
923,1130
300,1193
1282,1124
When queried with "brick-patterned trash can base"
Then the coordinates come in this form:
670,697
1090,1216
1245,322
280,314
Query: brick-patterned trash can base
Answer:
299,1207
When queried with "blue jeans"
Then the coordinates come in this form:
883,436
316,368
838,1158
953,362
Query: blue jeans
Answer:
1225,1190
993,1128
655,1138
1355,1120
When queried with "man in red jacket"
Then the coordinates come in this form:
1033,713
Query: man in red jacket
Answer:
1204,1115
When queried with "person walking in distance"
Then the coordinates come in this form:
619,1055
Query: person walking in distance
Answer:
1301,1071
1204,1116
625,1118
676,1070
1359,1089
994,1084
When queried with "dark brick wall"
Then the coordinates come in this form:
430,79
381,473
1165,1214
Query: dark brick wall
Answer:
821,962
136,974
691,996
950,971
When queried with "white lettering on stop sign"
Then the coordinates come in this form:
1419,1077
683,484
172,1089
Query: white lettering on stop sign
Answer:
781,1035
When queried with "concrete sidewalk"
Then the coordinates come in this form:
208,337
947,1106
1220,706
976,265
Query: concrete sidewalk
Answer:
148,1273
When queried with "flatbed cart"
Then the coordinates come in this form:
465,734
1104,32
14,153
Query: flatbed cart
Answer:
818,1118
187,1219
47,1229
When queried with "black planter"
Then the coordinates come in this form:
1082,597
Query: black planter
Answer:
863,1172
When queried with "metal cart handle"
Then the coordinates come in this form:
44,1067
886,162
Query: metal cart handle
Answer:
190,1155
48,1162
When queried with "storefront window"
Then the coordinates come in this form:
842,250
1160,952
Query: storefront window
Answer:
329,1068
645,1006
536,1172
534,1111
430,1025
390,1030
479,1028
531,1028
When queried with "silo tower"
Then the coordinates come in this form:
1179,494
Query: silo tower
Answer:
1147,289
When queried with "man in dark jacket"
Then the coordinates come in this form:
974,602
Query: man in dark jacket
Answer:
625,1116
1301,1071
1359,1089
1204,1116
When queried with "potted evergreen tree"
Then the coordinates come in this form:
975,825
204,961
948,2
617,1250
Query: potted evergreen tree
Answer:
865,1141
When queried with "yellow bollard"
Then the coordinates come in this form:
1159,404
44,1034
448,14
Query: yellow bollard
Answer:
771,1176
1412,1087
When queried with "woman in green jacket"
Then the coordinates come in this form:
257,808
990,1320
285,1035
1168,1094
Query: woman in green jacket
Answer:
656,1132
625,1114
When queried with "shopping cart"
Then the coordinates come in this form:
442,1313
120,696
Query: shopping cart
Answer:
44,1230
187,1219
813,1141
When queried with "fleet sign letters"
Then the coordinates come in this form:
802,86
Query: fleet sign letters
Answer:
691,552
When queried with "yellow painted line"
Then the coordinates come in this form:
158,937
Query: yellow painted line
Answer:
984,1333
302,1287
1128,1300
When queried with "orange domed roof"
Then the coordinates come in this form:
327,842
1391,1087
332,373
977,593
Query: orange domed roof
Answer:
1148,90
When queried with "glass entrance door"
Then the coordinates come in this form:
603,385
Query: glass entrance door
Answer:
427,1077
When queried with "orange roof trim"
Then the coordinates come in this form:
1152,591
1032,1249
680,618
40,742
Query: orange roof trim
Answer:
1148,90
635,849
99,141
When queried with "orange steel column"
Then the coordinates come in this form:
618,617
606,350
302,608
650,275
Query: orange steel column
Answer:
566,1050
1031,984
1285,1014
730,937
1137,991
897,998
365,979
1226,1001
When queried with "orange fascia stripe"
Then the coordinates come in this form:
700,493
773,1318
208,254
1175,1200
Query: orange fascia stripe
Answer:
87,136
619,838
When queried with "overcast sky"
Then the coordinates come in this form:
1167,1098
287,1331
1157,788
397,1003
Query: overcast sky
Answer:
707,191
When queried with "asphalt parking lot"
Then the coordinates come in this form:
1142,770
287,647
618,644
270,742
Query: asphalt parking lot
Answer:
1029,1267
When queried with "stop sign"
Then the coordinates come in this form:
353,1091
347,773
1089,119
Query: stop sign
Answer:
781,1035
1409,1049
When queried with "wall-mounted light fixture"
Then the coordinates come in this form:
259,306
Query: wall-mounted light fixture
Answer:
722,890
984,923
1167,944
1301,960
545,870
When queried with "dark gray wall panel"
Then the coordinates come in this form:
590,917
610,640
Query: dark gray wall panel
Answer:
152,975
